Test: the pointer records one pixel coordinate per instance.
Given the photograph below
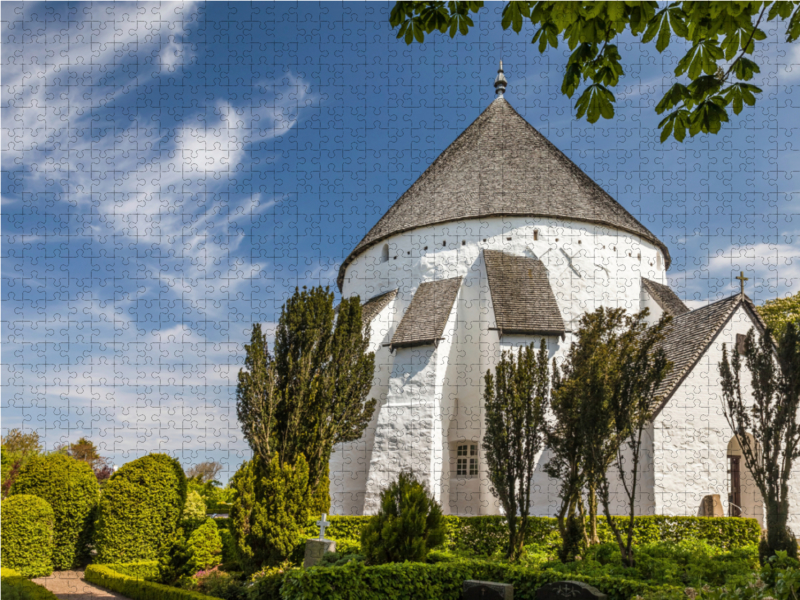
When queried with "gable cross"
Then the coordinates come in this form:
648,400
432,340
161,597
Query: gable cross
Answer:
742,279
322,523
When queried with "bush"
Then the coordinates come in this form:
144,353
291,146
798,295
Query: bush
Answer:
18,588
195,508
70,488
204,547
444,580
147,570
266,584
339,559
27,529
140,509
408,524
219,584
135,588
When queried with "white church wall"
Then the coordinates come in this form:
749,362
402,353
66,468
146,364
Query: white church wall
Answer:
588,266
692,435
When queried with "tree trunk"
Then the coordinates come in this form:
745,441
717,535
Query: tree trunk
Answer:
593,537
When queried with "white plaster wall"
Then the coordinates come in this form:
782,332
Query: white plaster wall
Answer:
692,435
434,396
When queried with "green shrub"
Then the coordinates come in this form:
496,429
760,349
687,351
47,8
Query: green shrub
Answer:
137,589
27,542
408,524
441,581
195,508
219,584
147,570
266,584
339,559
140,509
18,588
70,488
204,547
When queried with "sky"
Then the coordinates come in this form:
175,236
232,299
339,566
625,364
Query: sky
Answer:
172,171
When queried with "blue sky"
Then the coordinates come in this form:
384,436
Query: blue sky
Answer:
170,172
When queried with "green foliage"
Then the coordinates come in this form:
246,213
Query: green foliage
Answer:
27,535
278,518
18,588
219,584
313,393
147,570
204,547
266,584
135,588
195,508
17,448
140,509
718,34
440,581
339,559
70,488
243,482
780,312
408,524
765,423
515,399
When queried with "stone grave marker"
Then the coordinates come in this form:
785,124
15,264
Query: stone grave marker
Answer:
569,590
487,590
316,548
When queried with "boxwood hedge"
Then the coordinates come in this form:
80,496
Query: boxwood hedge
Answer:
27,529
70,487
137,588
140,509
16,587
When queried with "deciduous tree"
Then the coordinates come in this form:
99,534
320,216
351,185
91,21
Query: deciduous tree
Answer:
766,427
710,78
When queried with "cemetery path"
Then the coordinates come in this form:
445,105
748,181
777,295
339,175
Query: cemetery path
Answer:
69,585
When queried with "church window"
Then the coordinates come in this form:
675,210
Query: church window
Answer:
426,247
385,253
658,259
535,235
740,343
509,239
639,256
467,460
444,243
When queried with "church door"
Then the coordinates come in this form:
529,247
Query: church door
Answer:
735,495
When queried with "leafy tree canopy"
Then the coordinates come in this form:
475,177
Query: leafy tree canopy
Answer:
780,312
710,78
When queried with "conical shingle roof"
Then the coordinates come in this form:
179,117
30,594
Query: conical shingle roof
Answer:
501,166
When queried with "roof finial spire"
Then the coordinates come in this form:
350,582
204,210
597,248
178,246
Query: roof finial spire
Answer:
500,83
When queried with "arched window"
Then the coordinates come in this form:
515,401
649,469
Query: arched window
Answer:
385,253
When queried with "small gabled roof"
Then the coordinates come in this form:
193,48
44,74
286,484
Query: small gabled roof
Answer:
427,314
690,335
665,297
521,295
500,166
372,307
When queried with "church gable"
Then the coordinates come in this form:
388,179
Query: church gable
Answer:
522,298
426,317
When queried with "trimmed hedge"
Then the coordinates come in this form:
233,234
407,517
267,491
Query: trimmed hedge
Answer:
483,536
18,588
71,489
442,581
27,528
140,509
147,570
137,588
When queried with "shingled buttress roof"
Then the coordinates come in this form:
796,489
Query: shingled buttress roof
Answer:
373,306
522,298
665,297
427,314
501,166
690,335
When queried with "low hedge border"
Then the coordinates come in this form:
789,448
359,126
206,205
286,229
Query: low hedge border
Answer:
486,535
16,587
147,570
137,588
444,581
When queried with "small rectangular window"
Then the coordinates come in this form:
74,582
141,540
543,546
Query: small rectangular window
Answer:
740,343
473,467
461,467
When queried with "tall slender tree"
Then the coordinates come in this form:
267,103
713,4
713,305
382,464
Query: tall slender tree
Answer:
312,393
766,427
515,402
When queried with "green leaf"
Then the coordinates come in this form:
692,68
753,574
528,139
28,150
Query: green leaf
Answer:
744,69
513,15
740,94
701,58
547,34
675,124
595,101
676,94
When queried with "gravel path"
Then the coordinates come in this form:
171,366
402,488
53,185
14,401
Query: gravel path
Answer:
69,585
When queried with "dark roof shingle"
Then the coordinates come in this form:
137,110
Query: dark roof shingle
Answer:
521,294
427,314
664,296
373,306
501,166
690,335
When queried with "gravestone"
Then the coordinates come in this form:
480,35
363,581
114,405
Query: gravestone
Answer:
569,590
487,590
711,506
315,549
